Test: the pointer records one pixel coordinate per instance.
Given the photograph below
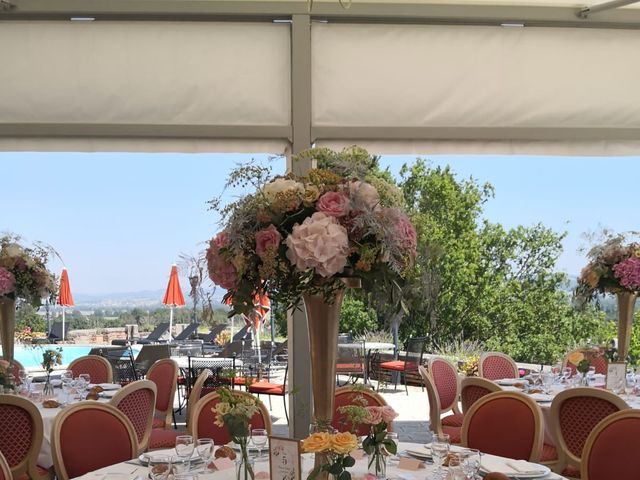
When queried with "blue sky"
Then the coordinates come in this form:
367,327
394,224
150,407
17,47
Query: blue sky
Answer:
120,220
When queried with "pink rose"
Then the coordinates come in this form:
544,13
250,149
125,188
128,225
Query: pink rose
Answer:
267,240
374,415
221,271
365,194
388,413
320,242
335,204
628,272
7,281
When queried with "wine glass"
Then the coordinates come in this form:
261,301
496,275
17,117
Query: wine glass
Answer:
204,447
439,451
394,459
259,438
85,378
159,467
184,446
455,467
547,382
470,460
629,385
566,374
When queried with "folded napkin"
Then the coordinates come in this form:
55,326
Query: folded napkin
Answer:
491,463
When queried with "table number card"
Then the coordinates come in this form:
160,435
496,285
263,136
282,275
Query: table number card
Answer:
284,459
616,376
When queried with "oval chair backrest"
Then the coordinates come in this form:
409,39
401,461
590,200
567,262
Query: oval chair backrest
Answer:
496,365
88,436
473,389
203,419
196,392
507,424
445,379
608,452
164,373
434,401
97,367
575,413
137,401
21,432
5,471
355,396
592,355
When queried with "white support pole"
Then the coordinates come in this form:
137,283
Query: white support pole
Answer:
63,329
170,323
586,11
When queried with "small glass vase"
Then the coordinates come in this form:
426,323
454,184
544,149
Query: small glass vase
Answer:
47,391
377,463
244,468
584,380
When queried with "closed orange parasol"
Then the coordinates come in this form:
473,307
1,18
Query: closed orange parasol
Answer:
65,299
173,296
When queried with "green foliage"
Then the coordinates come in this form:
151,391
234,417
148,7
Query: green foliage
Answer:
356,318
26,316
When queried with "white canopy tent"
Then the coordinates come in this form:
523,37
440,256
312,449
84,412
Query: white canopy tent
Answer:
424,77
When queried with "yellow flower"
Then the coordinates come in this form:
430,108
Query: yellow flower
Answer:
575,358
221,409
637,253
344,442
311,194
317,442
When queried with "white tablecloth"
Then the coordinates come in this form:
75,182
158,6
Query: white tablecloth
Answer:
129,470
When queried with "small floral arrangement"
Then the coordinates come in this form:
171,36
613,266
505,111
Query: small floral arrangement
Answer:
223,338
5,376
23,271
580,361
235,412
469,366
337,448
614,267
51,358
26,335
299,235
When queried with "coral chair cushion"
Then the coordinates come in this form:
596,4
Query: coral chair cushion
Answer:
16,433
158,423
161,438
91,439
137,406
574,472
454,420
267,388
549,453
348,367
208,429
445,379
397,365
97,370
577,418
495,368
42,472
505,427
163,376
614,454
455,433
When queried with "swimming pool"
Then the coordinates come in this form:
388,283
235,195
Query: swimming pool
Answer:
30,356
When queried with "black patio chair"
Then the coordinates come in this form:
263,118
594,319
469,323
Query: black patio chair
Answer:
54,335
242,334
409,362
154,337
210,337
350,363
149,355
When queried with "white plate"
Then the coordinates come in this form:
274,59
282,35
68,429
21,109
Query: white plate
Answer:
541,397
108,393
419,455
250,447
106,386
144,458
497,462
510,381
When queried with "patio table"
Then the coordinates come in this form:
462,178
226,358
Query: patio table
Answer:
129,470
222,362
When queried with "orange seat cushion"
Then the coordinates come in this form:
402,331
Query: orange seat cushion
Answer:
349,366
549,453
267,388
43,472
158,423
455,433
453,420
397,365
571,471
161,438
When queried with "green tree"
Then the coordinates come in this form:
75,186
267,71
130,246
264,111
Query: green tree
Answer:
355,317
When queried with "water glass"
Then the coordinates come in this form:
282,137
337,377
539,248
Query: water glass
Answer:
630,385
180,465
204,447
470,461
184,446
159,467
259,438
455,467
547,382
566,374
185,476
439,451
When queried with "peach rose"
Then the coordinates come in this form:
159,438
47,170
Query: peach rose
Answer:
267,240
316,442
575,358
374,415
335,204
344,442
388,413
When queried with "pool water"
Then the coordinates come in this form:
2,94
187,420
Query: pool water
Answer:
31,355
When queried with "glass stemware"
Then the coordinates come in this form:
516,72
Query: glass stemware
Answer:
204,448
629,385
470,462
259,438
439,450
184,446
566,374
394,459
159,467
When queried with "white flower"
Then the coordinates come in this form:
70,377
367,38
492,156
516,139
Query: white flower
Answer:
364,193
271,189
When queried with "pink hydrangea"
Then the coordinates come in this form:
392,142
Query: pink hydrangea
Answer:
7,281
267,240
335,204
628,272
320,242
407,236
221,271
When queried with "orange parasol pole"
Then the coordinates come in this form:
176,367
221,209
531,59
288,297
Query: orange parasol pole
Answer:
173,296
65,299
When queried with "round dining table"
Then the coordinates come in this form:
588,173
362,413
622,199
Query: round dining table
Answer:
135,469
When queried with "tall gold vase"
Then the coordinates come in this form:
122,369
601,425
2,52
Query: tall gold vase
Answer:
626,304
7,326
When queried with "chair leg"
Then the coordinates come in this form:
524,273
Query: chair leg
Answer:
406,389
286,414
395,387
173,413
270,406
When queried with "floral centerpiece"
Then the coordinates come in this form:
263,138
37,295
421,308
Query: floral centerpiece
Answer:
23,277
582,364
50,359
614,267
6,380
336,448
235,412
306,237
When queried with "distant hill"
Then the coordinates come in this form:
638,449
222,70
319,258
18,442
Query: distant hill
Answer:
123,300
